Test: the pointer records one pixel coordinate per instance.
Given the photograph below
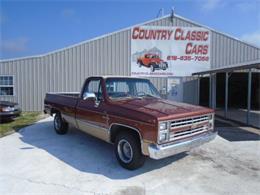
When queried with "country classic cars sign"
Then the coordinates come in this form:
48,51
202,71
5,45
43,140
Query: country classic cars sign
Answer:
158,51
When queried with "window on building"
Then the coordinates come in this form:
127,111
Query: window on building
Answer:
6,85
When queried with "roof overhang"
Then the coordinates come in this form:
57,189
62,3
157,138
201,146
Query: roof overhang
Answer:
231,68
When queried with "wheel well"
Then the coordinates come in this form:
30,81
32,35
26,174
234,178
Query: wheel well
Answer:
116,129
54,111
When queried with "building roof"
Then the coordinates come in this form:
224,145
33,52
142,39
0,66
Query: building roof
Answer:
128,28
232,67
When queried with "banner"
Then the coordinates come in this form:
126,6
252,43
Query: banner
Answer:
158,51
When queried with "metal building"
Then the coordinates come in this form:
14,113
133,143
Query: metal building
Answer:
26,80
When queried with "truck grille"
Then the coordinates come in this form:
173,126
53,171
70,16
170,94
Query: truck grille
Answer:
182,128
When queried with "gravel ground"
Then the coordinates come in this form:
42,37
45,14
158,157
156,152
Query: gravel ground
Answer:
37,160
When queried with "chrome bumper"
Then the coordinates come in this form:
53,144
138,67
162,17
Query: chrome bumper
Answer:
162,151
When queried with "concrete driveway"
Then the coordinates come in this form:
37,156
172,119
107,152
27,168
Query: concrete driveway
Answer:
37,160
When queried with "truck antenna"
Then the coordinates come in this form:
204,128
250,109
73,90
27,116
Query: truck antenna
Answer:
172,12
160,13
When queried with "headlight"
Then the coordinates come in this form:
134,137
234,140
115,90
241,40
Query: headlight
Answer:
163,132
211,121
7,109
163,126
163,136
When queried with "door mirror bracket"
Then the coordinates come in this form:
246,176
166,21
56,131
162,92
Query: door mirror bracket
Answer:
89,95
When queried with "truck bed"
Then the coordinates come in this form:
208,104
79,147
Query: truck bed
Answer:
63,101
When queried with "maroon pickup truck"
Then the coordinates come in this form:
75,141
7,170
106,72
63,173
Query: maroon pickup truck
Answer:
129,113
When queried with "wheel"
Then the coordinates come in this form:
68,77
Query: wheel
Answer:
165,65
60,126
139,64
128,152
153,67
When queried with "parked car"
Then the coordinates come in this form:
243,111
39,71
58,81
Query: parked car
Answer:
8,110
152,61
129,113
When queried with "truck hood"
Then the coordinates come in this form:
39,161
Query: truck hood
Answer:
163,109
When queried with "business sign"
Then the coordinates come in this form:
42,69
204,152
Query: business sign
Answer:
158,51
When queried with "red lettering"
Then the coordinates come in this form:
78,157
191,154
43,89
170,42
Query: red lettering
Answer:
196,49
177,35
206,36
141,34
169,34
193,35
188,48
164,34
135,33
205,49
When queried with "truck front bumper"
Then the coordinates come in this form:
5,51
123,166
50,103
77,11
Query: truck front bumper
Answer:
165,150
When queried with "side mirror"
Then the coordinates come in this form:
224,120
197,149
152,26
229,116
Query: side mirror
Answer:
89,95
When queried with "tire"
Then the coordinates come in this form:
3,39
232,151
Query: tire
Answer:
60,126
134,159
153,67
165,65
139,64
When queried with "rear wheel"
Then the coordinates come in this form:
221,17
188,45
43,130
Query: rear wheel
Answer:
128,151
153,67
139,63
60,126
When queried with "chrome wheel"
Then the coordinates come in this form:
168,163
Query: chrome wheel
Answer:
125,151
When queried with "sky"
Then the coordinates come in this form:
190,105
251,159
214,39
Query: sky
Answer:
36,27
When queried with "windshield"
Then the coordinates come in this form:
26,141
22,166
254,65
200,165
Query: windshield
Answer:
118,88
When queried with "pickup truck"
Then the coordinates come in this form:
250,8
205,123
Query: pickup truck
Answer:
130,114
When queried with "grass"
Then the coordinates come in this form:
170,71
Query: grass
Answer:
25,119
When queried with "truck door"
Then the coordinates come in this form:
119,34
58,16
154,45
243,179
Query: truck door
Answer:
91,115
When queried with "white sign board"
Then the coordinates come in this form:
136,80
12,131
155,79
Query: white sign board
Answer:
158,51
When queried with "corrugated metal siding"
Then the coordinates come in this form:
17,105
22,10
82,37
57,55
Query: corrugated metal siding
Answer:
65,70
190,92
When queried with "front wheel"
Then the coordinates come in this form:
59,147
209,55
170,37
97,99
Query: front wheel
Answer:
128,151
60,126
139,64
